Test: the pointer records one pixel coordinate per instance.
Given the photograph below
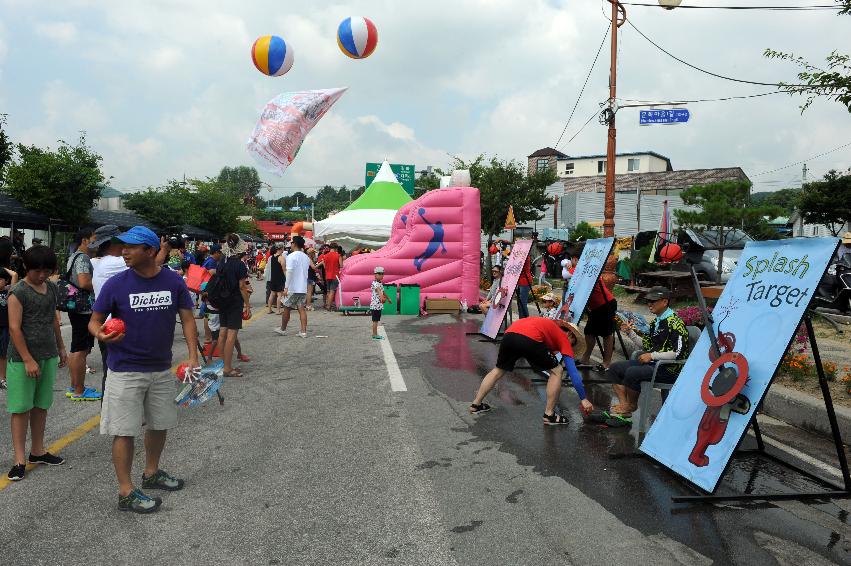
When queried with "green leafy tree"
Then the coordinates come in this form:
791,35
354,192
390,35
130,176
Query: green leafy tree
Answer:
584,232
168,206
832,82
787,199
215,207
62,184
827,202
242,181
6,149
504,183
722,208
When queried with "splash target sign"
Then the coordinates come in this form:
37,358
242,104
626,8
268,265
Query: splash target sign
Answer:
712,402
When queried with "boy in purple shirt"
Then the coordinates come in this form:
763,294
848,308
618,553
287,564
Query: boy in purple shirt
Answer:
140,386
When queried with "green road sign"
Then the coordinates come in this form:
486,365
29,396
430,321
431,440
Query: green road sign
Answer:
405,173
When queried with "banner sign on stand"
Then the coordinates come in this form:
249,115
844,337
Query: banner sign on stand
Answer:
585,276
511,273
713,400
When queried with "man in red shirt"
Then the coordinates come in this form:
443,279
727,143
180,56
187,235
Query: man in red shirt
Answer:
602,308
538,340
333,263
524,287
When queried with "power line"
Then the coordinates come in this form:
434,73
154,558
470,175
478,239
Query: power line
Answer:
816,7
804,160
695,67
594,115
582,90
672,102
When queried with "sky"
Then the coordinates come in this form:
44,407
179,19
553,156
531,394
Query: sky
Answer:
166,88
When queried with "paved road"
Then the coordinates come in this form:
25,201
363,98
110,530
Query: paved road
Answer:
315,459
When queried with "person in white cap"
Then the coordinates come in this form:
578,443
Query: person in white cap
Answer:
376,302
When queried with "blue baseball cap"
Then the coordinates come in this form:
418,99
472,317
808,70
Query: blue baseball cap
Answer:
140,235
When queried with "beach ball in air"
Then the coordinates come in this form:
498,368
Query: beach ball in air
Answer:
272,55
357,37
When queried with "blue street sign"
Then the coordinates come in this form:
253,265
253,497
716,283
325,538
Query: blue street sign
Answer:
671,116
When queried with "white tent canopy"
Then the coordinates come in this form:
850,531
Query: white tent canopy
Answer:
368,220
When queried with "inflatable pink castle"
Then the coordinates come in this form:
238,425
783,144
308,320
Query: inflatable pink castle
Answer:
434,242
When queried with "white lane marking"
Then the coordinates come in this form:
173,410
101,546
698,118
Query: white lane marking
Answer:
827,468
397,383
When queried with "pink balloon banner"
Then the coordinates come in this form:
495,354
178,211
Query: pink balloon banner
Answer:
285,122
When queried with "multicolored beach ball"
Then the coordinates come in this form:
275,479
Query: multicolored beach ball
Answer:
357,37
272,55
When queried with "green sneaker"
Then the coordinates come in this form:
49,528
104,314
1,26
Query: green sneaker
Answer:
162,480
138,502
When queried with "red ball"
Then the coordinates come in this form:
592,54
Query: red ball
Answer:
246,315
555,248
180,372
671,253
115,325
493,249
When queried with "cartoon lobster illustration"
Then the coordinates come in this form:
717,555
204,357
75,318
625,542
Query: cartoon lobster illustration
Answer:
722,394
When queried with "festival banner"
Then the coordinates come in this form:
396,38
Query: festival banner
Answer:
585,276
285,122
511,273
711,404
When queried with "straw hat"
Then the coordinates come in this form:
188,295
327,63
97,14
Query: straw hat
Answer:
579,347
846,238
240,247
548,297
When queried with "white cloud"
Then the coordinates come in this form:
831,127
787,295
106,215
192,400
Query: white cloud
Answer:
59,32
396,130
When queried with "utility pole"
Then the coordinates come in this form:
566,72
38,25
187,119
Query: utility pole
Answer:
804,175
618,19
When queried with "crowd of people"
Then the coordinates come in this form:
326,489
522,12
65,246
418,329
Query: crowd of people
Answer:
150,283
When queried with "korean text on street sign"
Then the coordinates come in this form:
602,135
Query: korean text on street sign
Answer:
671,116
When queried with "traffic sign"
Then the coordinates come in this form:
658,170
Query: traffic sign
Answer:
669,116
405,173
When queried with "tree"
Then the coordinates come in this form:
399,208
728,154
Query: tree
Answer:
215,207
723,207
168,206
502,184
787,199
833,82
6,149
62,184
827,202
242,181
583,232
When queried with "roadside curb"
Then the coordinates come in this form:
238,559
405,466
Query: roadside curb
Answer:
782,403
805,411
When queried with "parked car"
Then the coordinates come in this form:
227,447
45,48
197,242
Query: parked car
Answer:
703,248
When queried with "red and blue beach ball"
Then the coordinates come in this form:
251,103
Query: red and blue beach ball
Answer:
272,55
357,37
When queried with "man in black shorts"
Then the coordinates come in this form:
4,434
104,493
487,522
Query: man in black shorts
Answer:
602,308
537,340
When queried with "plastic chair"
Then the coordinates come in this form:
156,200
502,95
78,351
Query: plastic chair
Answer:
648,386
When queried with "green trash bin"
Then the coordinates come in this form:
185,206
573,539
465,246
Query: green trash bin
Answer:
409,298
392,306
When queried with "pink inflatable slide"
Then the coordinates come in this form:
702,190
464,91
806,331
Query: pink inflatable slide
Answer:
434,242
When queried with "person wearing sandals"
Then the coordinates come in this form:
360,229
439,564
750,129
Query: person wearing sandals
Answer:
235,272
666,340
602,307
35,351
140,387
538,340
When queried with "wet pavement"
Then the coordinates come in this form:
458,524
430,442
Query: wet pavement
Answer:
605,465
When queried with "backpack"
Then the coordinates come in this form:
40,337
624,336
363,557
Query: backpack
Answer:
219,291
69,298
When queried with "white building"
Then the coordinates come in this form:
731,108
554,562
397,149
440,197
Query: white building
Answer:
566,166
